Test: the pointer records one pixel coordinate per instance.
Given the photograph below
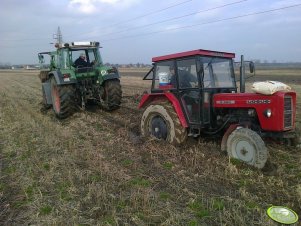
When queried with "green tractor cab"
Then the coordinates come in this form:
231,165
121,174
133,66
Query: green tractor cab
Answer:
76,75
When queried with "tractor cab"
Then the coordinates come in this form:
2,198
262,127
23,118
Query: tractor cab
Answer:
194,77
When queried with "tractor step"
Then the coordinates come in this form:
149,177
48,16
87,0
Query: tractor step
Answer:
194,131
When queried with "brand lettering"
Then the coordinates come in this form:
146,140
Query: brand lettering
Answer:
258,101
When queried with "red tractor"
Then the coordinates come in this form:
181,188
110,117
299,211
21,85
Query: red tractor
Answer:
194,93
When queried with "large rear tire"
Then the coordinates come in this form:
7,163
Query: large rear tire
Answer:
161,121
62,102
246,145
111,98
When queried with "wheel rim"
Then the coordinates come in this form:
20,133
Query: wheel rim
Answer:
56,99
244,150
158,127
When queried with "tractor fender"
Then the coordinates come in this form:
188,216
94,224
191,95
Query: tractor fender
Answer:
227,134
59,78
110,77
46,89
148,98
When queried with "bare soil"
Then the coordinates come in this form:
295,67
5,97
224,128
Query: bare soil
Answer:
94,168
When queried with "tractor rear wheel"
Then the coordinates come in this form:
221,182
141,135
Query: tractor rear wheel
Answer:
246,145
161,121
111,98
62,103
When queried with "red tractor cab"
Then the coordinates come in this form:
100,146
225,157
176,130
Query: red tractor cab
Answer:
194,93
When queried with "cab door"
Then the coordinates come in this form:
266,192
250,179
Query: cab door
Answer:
189,88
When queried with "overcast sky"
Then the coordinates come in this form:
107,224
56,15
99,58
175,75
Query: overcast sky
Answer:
132,31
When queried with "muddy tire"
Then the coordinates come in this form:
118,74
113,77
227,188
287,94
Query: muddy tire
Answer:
161,121
111,98
247,146
62,102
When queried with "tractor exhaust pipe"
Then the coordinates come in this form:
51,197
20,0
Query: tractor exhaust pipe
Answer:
242,75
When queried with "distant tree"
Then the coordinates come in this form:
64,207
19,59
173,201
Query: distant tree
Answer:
5,65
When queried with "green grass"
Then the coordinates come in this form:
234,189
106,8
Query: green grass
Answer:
198,209
167,165
45,210
127,162
218,204
138,181
165,196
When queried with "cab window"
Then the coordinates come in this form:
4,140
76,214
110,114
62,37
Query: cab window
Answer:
218,73
187,73
164,74
91,56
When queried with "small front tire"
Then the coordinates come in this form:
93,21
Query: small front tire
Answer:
246,145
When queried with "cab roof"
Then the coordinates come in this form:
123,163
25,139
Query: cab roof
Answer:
200,52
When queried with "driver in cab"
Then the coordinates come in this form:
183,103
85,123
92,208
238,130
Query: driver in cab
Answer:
81,62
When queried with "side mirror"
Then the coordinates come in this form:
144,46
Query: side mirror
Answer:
252,67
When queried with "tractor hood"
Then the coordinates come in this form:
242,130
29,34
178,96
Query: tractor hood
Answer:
275,112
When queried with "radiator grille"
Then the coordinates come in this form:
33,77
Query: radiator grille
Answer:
288,112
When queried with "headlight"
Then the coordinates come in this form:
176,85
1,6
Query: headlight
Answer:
267,113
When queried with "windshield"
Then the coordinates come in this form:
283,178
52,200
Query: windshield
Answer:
91,56
218,72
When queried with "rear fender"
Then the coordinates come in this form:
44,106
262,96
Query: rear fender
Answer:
148,98
59,78
46,88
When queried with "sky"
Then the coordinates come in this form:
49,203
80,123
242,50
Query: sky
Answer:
132,31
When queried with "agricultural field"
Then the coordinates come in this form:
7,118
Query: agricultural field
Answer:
94,168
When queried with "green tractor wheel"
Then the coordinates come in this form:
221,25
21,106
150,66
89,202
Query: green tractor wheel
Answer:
111,98
61,99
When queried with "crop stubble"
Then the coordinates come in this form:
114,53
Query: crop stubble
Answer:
94,169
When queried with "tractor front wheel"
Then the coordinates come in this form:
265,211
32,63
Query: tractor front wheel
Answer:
246,145
62,103
111,98
161,121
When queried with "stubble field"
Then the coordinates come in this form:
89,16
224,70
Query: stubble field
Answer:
94,169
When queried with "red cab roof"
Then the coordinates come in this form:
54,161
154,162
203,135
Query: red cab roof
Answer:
201,52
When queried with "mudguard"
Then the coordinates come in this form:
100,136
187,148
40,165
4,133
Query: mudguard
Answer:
147,98
46,88
59,78
110,76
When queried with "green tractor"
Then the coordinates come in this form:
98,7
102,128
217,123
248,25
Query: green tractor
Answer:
76,76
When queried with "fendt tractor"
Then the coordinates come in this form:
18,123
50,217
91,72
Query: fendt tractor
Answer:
194,93
76,76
